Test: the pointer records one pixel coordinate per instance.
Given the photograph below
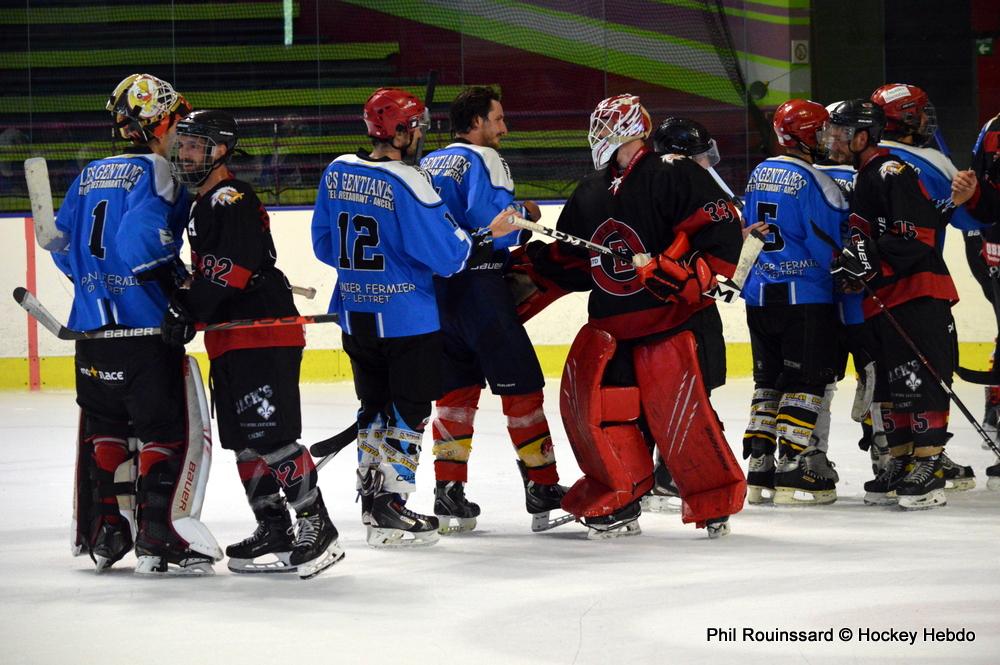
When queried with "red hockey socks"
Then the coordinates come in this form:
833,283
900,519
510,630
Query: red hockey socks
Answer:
529,432
453,427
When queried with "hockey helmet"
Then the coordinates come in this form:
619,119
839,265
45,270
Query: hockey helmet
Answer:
215,128
143,107
799,123
906,107
616,120
685,137
391,110
859,114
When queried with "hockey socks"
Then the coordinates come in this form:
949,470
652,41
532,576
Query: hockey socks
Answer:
759,444
110,536
452,429
259,484
529,432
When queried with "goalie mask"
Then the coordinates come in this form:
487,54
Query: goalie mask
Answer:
616,121
143,108
192,157
908,112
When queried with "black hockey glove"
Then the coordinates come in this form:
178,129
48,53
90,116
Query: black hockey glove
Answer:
482,248
856,265
177,328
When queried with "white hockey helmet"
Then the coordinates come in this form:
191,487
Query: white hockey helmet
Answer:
616,120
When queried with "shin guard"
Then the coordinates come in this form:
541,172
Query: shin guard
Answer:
529,432
452,428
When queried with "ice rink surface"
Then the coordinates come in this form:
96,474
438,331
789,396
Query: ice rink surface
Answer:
503,594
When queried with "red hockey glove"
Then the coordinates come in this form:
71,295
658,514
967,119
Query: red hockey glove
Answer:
530,291
672,278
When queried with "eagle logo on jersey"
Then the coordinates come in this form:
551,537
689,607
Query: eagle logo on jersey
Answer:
615,274
226,196
891,168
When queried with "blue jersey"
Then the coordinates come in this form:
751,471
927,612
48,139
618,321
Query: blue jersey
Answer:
387,232
935,172
124,216
789,195
848,304
475,184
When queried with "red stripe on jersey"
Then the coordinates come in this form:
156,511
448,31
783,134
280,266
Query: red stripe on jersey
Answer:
695,222
920,285
720,266
648,321
218,342
236,277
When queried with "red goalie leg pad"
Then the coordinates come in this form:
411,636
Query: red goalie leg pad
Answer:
599,422
688,433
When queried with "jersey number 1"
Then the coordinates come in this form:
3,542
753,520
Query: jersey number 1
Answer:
97,230
357,260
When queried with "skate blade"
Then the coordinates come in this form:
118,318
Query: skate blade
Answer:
154,566
932,499
717,530
880,499
660,503
789,496
960,484
621,531
758,495
256,566
542,522
449,524
380,538
993,483
333,554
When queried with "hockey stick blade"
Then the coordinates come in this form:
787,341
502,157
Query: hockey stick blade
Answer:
328,448
979,377
27,300
36,176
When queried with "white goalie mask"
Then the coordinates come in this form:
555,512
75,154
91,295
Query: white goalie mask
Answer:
616,121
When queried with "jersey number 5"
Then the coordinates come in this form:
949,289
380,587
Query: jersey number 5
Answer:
367,236
767,213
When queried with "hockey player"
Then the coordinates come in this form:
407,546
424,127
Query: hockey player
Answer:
123,217
483,339
644,361
791,314
380,223
255,373
894,231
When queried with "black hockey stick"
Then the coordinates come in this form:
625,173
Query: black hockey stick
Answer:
328,448
432,78
36,309
987,377
822,235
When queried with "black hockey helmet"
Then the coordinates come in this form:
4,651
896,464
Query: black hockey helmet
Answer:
860,114
216,128
681,136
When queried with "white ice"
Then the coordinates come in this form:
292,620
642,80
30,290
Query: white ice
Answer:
503,594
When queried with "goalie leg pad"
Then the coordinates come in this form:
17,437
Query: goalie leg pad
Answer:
687,431
602,426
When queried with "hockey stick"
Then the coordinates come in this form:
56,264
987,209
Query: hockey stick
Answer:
32,306
307,292
725,290
36,175
432,77
822,235
327,449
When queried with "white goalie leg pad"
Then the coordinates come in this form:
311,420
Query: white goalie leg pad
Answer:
185,508
864,393
821,433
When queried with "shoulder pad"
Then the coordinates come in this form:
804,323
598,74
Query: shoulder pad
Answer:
416,179
829,188
163,179
930,155
495,165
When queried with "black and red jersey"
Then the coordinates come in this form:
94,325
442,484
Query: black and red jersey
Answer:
890,206
640,209
235,276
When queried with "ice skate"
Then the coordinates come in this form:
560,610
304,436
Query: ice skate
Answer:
991,414
923,487
882,490
663,497
112,542
717,527
395,525
760,475
622,523
805,480
993,477
267,549
366,494
159,553
315,548
957,478
455,513
540,500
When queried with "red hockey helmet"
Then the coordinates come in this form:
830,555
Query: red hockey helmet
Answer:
797,124
390,110
905,107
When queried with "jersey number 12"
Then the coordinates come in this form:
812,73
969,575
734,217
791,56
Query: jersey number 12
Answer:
367,236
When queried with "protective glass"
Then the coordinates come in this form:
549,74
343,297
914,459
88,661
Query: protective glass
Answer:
711,156
191,158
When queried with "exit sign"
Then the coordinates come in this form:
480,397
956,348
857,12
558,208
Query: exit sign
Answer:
984,46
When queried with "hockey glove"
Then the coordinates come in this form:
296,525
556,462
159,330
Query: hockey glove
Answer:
482,248
671,278
857,264
530,291
177,328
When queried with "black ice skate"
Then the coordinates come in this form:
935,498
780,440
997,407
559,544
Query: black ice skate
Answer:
540,499
957,477
111,542
760,474
366,494
268,548
923,487
807,479
316,547
455,513
395,525
991,417
663,496
882,490
993,477
623,522
160,552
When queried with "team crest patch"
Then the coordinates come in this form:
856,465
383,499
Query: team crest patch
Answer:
226,196
891,168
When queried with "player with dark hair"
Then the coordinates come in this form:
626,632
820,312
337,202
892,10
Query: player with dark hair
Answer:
791,314
894,247
380,223
483,339
124,219
255,373
638,372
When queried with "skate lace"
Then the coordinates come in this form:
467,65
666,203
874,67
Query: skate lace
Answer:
307,530
922,471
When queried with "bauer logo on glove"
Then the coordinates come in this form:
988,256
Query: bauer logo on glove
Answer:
856,265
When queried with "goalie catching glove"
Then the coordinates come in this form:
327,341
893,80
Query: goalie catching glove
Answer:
857,263
675,275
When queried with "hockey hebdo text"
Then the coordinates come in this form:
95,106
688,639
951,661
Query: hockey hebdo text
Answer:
859,634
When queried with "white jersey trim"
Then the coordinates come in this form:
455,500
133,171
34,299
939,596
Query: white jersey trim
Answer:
415,179
933,157
495,165
831,191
